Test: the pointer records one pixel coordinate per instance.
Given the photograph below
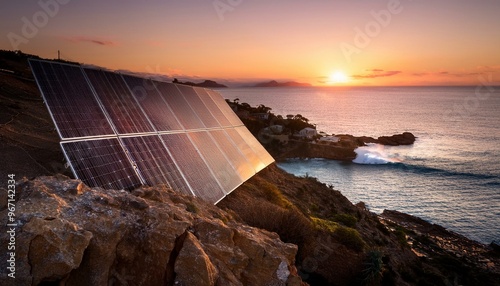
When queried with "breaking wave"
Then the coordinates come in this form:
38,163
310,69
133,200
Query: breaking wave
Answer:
374,154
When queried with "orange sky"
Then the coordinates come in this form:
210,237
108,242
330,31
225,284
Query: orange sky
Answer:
390,42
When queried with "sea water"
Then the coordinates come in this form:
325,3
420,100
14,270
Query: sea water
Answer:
450,176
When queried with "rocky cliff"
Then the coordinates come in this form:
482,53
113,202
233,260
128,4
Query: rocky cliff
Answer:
75,235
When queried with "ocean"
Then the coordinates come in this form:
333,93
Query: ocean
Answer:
450,176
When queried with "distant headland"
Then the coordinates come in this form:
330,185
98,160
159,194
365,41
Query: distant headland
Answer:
206,83
274,83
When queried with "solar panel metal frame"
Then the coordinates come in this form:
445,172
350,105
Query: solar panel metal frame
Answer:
122,144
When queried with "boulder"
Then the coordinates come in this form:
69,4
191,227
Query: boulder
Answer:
69,233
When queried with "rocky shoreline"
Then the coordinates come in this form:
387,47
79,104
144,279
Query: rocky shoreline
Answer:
342,150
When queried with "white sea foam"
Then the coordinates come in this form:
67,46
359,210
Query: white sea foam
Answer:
374,154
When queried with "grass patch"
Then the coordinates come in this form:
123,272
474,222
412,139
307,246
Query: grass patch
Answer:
350,238
345,235
345,219
289,223
274,195
324,225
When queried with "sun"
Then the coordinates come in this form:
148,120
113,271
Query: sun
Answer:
338,77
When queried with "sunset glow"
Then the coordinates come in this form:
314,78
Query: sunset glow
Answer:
338,77
389,42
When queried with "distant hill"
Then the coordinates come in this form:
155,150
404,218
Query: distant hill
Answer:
274,83
206,83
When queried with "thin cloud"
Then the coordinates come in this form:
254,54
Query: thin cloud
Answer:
91,40
375,73
446,73
477,71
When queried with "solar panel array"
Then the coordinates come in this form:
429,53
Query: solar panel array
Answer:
120,131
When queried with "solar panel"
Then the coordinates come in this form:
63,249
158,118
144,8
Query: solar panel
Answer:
198,106
153,104
244,148
154,162
117,100
195,170
101,162
181,108
225,109
255,145
235,156
216,160
72,105
121,131
212,107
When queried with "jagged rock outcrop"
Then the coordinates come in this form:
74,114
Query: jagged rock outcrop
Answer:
68,232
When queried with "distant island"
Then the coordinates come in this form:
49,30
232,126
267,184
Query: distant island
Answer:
274,83
206,83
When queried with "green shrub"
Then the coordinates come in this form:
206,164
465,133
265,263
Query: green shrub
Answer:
349,237
345,219
324,225
345,235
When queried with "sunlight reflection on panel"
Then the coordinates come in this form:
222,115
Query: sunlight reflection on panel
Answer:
216,160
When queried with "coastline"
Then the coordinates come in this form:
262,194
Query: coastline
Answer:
28,136
343,150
